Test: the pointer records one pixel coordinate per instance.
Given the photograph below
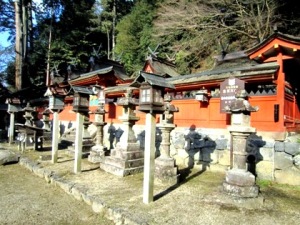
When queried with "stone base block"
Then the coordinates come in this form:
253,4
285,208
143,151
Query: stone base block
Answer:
95,157
128,147
97,154
243,192
165,171
123,162
127,155
122,172
240,178
71,151
240,183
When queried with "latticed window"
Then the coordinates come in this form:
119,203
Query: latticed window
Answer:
146,95
76,100
157,95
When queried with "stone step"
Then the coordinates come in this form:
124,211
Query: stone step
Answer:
121,171
125,155
123,163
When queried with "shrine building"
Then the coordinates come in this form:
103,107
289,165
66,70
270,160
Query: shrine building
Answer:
268,71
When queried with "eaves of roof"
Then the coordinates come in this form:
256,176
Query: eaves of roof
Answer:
152,79
220,75
91,74
120,88
278,35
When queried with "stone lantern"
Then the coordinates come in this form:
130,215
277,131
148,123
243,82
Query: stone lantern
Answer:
46,128
13,108
98,151
126,158
28,110
165,169
56,104
202,95
151,101
239,182
151,92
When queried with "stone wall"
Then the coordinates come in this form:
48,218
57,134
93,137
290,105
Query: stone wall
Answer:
267,158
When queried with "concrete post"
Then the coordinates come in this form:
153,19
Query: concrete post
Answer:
11,127
55,132
78,142
149,158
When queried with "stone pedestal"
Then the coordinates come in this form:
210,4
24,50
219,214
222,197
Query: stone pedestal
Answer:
47,135
97,152
239,182
86,142
165,168
127,157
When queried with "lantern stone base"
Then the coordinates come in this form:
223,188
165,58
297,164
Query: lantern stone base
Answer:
97,154
86,148
47,138
240,183
165,171
123,162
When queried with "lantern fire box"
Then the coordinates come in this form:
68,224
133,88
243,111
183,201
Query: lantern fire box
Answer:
81,98
56,102
152,88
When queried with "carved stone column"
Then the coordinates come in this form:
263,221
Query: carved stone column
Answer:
165,168
98,151
87,142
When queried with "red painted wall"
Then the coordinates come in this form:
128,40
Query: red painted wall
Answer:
202,115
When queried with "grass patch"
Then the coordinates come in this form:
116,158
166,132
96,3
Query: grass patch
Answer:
264,183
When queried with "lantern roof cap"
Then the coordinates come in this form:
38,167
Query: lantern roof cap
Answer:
82,90
152,79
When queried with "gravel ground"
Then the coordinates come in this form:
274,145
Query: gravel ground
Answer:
27,199
198,199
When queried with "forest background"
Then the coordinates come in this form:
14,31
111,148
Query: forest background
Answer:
52,35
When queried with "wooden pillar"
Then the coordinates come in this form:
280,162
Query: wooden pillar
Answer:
149,158
55,132
78,142
281,90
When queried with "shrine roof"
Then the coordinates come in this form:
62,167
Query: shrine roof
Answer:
277,35
161,67
119,88
218,73
152,79
269,48
233,60
33,94
119,74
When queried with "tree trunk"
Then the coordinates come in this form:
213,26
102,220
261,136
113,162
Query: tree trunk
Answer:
18,45
113,30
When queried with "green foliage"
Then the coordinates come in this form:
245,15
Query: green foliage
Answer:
134,36
192,30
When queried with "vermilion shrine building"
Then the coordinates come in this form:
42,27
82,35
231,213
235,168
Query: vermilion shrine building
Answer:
269,71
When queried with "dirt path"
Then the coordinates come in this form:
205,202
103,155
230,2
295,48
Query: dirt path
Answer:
27,199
